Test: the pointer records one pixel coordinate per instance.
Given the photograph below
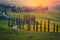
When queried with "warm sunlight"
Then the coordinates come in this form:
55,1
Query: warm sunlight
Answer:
35,2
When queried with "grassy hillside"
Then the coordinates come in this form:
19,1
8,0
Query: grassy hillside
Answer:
19,34
7,33
52,15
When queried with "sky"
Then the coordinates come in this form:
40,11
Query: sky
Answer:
34,3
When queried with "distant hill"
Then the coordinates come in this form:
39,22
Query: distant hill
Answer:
35,9
23,8
56,7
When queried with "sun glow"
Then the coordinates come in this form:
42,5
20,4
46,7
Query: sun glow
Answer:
35,2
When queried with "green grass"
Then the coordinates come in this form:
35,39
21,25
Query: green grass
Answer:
20,34
1,14
3,23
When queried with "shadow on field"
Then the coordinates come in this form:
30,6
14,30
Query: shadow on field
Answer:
54,36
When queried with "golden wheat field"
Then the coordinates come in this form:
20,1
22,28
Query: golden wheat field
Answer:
44,17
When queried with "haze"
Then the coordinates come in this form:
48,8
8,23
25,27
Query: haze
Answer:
33,3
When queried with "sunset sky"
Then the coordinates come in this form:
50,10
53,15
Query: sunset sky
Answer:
33,3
